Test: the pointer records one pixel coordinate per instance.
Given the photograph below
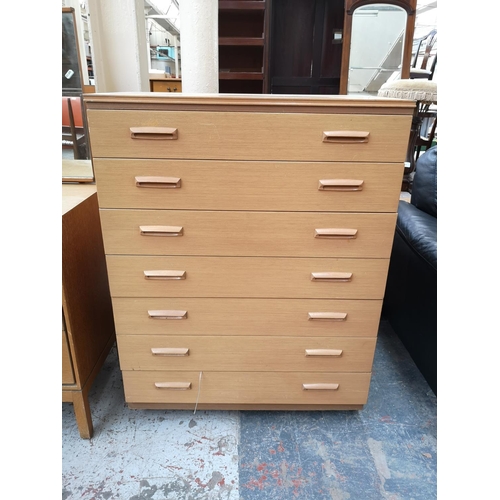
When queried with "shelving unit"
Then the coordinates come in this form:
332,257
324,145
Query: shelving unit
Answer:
243,46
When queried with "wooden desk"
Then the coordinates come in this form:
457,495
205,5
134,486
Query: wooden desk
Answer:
77,171
87,318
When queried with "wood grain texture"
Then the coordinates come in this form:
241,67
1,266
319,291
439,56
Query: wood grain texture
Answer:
270,192
248,234
86,296
215,102
68,376
263,317
248,136
246,353
244,407
213,185
86,301
258,388
246,277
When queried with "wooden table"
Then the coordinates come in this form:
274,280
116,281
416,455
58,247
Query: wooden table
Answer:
87,318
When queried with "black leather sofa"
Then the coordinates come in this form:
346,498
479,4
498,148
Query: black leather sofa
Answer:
410,302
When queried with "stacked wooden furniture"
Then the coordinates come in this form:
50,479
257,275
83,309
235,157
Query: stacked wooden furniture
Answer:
247,241
293,46
87,318
243,46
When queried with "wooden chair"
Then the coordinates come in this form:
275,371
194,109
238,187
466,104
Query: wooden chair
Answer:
73,132
426,44
427,133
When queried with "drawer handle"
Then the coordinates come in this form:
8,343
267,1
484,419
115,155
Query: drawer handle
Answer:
165,275
173,386
324,352
154,133
158,182
340,277
336,233
320,387
170,351
161,230
345,136
327,316
340,185
167,314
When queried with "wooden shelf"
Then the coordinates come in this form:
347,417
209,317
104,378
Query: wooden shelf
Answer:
255,42
240,75
241,5
243,48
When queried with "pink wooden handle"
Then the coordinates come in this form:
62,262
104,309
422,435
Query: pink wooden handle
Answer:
165,275
340,185
151,181
345,136
154,133
161,230
340,277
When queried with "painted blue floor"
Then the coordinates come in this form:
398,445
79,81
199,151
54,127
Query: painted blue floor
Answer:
385,451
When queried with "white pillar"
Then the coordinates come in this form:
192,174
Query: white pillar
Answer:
119,42
200,46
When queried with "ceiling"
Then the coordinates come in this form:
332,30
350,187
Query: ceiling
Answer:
165,13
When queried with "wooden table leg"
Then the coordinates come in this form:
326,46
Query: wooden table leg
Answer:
82,413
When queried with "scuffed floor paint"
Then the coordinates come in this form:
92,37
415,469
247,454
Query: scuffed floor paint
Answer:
386,451
148,454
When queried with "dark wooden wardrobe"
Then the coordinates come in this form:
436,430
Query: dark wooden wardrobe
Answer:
306,46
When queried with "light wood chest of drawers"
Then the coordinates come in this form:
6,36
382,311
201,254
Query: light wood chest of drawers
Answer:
247,240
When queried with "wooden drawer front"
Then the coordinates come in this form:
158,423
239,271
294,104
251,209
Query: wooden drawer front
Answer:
247,136
165,86
248,354
173,232
245,387
289,317
213,185
270,277
68,376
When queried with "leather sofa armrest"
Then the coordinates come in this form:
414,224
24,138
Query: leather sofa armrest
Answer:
419,230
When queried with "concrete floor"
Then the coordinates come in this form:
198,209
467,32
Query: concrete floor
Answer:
385,451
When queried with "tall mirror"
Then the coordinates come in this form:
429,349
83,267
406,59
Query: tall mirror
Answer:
76,163
377,44
378,32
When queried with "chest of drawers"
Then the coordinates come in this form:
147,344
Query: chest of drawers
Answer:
247,241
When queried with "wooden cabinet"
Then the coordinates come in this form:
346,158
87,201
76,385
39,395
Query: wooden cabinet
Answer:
307,41
88,330
247,242
243,46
